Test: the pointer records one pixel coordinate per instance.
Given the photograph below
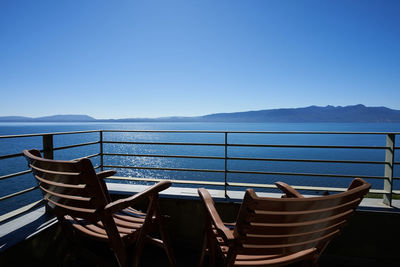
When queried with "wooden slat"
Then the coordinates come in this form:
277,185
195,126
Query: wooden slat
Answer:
299,227
70,197
72,210
123,228
125,222
260,216
293,204
128,218
285,248
53,172
74,186
289,237
79,225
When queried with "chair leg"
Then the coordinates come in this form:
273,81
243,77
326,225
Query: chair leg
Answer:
164,236
140,240
211,247
143,231
203,250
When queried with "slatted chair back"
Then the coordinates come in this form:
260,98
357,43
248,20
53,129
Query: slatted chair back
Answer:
273,226
80,198
69,187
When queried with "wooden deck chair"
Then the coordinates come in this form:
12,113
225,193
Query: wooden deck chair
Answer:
80,199
278,231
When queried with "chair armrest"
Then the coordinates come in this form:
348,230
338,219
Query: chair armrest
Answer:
105,174
288,190
121,204
209,205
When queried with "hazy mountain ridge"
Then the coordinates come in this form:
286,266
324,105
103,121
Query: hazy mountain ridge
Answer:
355,113
54,118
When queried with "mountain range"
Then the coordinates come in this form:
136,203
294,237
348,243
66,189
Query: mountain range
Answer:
355,113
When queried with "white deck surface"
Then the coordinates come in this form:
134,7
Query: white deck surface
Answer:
237,196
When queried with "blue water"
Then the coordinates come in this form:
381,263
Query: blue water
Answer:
9,146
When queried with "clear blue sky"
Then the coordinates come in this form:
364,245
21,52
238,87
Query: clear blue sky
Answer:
119,59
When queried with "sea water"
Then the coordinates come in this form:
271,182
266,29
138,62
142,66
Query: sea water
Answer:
16,145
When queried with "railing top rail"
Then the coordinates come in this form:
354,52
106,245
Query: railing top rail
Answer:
250,132
197,131
41,134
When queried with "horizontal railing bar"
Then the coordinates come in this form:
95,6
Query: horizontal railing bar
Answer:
243,145
97,167
89,156
377,191
313,188
199,131
248,185
93,155
11,156
161,131
76,145
21,154
164,143
162,156
41,134
308,146
19,211
309,160
172,181
240,158
19,193
246,172
299,187
204,157
307,174
14,174
249,132
162,169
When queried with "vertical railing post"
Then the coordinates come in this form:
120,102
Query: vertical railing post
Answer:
48,148
101,150
226,165
48,153
389,166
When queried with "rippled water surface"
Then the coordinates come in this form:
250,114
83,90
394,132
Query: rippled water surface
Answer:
16,145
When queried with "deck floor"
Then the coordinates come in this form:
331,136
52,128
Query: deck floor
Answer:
92,254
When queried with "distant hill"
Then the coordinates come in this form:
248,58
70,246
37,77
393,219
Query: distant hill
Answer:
55,118
356,113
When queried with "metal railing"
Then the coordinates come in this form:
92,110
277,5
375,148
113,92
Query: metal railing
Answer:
48,149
